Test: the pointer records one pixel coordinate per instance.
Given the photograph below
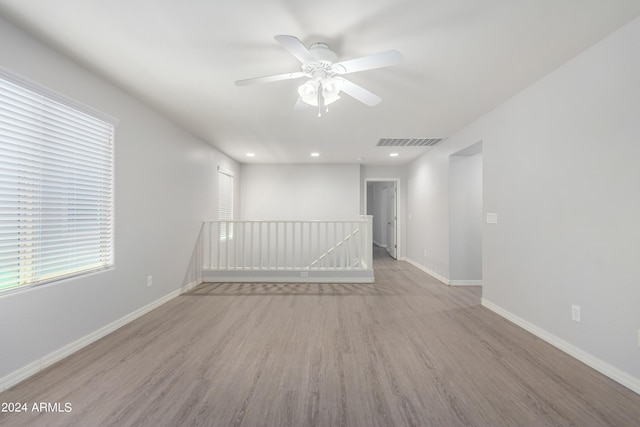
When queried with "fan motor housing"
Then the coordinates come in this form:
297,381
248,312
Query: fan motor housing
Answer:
323,53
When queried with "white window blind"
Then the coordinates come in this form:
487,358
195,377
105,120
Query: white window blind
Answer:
56,188
225,202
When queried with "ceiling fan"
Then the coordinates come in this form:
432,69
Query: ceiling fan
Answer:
324,73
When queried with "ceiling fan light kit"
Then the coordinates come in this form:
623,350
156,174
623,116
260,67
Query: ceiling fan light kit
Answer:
318,92
318,64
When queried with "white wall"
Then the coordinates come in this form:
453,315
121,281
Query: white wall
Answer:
369,189
560,164
300,192
165,185
465,216
427,212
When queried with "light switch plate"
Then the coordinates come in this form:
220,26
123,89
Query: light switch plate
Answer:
492,218
575,313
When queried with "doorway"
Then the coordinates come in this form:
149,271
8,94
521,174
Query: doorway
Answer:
465,216
382,203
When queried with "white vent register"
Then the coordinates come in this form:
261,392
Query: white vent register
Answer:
408,142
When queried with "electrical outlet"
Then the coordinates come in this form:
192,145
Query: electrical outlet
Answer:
425,253
638,337
575,313
149,281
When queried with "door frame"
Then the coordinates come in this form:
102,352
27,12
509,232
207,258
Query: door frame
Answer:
398,197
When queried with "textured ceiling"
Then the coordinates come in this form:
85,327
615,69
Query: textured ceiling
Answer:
461,59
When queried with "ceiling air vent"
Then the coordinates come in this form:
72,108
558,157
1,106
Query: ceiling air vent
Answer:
408,142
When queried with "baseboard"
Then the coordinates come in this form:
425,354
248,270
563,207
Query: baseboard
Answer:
189,286
629,381
32,368
465,282
428,271
380,245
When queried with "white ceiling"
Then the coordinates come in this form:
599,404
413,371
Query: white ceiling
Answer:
462,58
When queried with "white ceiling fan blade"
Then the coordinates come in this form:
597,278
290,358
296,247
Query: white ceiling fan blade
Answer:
296,48
360,93
369,62
266,79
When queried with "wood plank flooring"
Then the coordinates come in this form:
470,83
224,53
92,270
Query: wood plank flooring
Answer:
405,351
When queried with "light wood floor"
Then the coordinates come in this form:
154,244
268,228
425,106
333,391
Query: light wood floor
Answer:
405,351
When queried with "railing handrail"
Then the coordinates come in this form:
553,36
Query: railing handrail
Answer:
334,247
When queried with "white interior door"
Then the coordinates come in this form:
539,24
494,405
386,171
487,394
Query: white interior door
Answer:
392,219
383,215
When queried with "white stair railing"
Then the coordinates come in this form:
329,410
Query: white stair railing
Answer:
295,247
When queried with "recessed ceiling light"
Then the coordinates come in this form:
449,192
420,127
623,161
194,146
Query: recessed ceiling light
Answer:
393,155
251,154
315,154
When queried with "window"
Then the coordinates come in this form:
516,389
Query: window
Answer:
56,186
225,203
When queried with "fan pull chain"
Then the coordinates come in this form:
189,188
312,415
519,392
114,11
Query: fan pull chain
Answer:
320,99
